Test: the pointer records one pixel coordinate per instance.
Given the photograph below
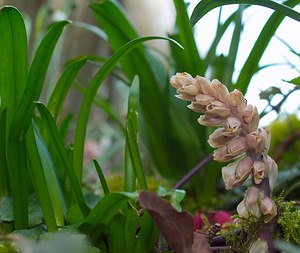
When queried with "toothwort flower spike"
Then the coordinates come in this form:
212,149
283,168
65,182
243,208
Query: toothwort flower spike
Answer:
238,139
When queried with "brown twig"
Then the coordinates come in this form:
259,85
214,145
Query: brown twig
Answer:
192,172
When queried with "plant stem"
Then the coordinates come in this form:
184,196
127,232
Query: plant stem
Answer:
192,172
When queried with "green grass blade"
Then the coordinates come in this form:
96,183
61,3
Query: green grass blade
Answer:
39,181
52,181
147,236
17,162
205,6
106,208
90,94
185,37
131,136
63,85
132,114
234,45
251,64
62,154
13,76
13,59
36,78
101,177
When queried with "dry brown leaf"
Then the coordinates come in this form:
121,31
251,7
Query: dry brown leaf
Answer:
176,227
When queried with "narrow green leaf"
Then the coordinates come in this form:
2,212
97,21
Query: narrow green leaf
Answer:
132,114
35,80
39,181
101,177
268,31
90,94
13,59
106,208
131,137
147,236
92,28
62,154
63,85
205,6
191,55
51,177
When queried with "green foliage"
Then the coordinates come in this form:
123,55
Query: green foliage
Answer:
41,176
289,220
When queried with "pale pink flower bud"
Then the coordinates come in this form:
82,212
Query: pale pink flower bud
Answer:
200,103
217,109
205,121
182,79
268,209
250,117
228,174
233,126
205,85
219,138
243,169
190,90
203,99
255,141
271,172
259,170
267,139
242,210
236,99
221,89
251,196
233,149
259,246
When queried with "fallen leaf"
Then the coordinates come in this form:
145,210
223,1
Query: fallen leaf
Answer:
176,227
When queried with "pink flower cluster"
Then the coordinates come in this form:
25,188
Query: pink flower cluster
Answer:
238,140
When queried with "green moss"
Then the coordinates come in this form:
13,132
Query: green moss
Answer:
289,220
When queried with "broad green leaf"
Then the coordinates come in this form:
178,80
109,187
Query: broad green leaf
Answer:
90,94
63,85
205,6
268,31
54,135
286,246
4,186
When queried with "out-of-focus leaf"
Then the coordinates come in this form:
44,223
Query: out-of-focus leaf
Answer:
90,94
269,93
63,85
190,55
295,81
205,6
268,31
286,247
